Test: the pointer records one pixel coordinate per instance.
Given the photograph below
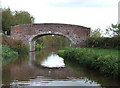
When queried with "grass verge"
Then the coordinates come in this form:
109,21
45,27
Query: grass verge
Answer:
105,61
8,54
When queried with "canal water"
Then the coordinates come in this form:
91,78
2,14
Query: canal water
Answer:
46,68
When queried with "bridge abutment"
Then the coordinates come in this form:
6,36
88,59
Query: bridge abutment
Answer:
32,46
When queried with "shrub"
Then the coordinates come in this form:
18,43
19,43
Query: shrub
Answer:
15,45
7,52
104,42
105,63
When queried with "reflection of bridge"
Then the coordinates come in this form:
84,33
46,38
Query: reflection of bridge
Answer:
31,58
29,33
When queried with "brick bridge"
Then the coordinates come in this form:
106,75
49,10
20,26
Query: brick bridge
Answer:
30,32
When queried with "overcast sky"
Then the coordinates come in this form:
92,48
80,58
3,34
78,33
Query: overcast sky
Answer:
89,13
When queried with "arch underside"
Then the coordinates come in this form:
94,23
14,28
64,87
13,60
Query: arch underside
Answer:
33,39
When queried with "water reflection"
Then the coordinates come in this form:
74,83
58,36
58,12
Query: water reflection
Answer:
42,81
53,61
31,58
29,70
36,70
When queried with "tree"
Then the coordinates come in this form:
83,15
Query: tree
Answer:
96,33
10,18
115,29
7,19
23,17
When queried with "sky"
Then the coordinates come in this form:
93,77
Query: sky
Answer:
89,13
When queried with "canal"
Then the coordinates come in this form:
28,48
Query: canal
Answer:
46,68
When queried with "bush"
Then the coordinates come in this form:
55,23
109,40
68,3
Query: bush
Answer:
38,46
105,63
104,42
15,45
7,52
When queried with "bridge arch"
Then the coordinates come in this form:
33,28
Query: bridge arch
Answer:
28,33
33,39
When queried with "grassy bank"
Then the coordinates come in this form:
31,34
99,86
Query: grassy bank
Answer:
11,48
105,61
8,52
15,45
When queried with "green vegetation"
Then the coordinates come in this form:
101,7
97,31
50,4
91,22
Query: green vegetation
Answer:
96,33
102,53
51,41
8,55
15,45
11,48
104,42
10,18
115,29
105,61
7,52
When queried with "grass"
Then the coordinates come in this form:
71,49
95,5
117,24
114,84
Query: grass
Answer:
11,48
15,45
113,52
8,52
105,61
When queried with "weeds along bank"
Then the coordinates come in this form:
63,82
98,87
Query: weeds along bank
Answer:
11,49
8,52
15,45
105,61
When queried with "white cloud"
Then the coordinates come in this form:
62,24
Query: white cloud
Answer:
85,16
82,3
91,17
23,4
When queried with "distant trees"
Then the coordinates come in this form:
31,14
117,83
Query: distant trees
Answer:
96,33
52,40
113,41
22,17
7,19
10,18
111,31
115,29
